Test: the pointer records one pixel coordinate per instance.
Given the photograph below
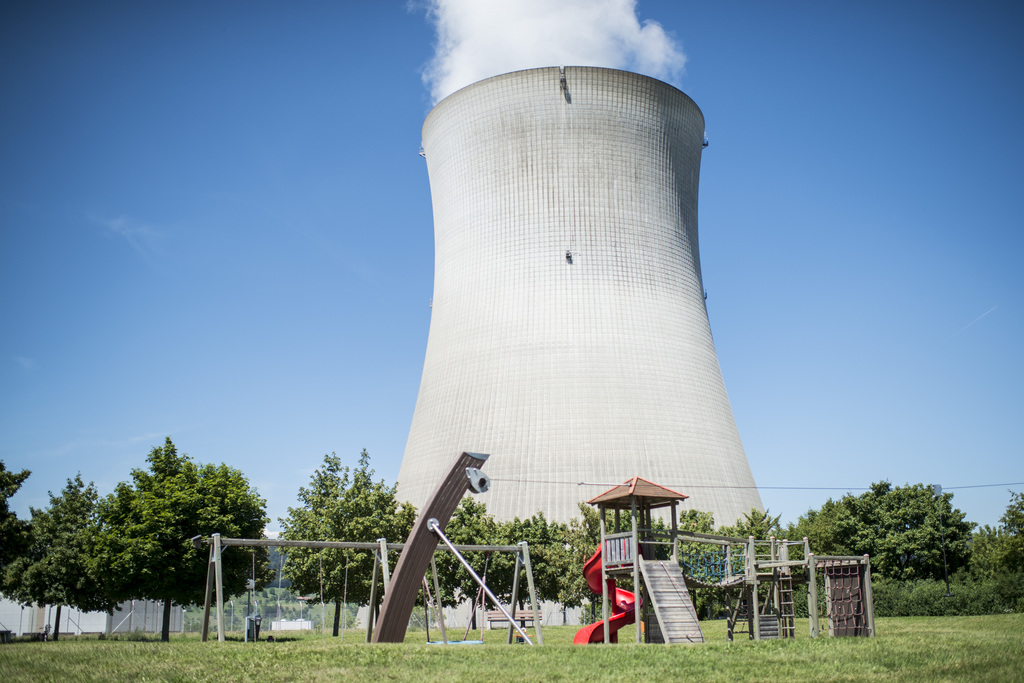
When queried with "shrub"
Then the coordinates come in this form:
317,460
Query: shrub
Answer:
968,596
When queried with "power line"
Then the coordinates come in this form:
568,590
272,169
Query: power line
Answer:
762,488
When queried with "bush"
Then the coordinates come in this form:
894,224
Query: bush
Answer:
968,596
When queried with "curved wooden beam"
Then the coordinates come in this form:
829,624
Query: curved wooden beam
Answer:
419,547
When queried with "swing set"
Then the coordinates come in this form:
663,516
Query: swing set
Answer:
390,624
214,597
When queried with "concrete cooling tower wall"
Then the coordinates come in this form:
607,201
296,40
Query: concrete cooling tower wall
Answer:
569,337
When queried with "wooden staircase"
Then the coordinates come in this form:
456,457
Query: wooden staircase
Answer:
671,601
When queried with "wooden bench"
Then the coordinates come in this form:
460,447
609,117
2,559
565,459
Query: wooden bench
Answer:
495,616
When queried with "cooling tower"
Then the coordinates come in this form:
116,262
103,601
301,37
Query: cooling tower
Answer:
569,336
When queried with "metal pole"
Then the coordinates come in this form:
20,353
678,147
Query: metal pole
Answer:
436,528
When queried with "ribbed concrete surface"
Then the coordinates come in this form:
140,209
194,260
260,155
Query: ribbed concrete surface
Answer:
591,371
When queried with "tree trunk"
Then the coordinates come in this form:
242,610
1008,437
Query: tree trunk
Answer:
337,616
56,627
165,628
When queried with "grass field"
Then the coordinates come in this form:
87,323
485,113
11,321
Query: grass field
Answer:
989,648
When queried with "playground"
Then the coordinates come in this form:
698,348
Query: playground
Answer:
663,563
760,638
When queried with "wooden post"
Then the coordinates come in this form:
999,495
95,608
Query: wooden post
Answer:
437,595
219,577
675,536
812,594
776,592
515,596
385,571
533,593
868,597
373,597
210,578
604,581
636,572
828,604
753,604
730,614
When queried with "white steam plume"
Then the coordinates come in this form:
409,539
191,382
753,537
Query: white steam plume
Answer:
477,39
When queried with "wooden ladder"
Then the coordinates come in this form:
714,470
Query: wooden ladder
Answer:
787,625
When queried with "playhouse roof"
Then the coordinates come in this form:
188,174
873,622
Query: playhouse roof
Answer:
644,491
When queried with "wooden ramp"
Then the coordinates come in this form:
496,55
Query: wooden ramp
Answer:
671,601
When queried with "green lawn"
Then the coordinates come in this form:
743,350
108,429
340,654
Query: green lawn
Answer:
989,648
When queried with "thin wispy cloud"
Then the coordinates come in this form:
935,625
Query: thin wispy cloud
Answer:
25,363
975,320
477,39
141,236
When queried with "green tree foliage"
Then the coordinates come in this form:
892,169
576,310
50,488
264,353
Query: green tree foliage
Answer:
1013,527
989,551
472,525
148,523
760,525
996,556
582,536
548,557
61,567
14,532
342,505
469,525
897,526
829,529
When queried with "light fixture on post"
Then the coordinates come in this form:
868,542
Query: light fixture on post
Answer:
937,489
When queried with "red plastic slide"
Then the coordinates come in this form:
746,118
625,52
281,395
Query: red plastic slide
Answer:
623,606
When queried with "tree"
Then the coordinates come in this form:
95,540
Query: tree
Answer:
1013,526
897,526
1000,550
147,526
470,525
760,525
829,530
13,531
549,558
342,505
582,536
60,567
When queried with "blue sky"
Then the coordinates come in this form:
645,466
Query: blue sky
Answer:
214,225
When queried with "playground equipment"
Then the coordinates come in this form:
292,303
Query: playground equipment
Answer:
757,577
623,605
418,552
381,549
416,555
667,613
